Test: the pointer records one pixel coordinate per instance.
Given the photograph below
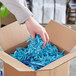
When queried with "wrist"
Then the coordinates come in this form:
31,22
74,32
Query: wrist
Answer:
29,20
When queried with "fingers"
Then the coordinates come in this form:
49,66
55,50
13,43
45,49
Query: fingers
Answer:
33,35
43,35
47,37
43,38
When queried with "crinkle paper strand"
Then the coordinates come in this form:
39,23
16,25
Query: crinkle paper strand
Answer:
35,56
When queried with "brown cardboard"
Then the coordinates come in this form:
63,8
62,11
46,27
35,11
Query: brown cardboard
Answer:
10,18
14,34
59,62
14,62
61,36
62,70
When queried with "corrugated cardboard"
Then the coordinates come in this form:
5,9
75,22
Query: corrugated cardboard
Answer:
15,35
7,20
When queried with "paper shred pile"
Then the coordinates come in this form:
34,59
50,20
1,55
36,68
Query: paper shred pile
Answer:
35,56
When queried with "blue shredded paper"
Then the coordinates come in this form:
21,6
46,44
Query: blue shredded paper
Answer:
35,56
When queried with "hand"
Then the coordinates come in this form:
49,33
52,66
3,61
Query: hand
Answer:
35,28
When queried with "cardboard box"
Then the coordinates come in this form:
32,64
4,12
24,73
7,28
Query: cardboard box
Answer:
7,20
72,26
14,35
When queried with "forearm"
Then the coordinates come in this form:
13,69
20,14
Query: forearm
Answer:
18,8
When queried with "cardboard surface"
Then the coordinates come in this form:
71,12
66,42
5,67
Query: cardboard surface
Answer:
62,70
61,36
14,62
14,34
8,19
10,71
60,61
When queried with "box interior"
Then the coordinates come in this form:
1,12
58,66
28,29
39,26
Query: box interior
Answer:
13,36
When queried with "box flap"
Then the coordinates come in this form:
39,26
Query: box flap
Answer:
13,62
61,36
13,34
60,61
